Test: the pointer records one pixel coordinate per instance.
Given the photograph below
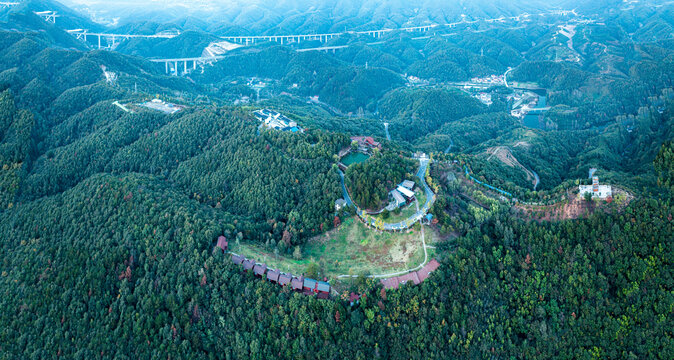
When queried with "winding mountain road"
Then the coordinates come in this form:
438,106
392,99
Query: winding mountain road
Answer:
388,136
430,199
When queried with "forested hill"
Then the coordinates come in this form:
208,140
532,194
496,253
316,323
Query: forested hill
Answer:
340,84
110,209
126,265
21,17
187,44
415,113
62,127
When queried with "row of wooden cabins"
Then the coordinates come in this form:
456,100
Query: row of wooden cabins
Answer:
301,284
415,277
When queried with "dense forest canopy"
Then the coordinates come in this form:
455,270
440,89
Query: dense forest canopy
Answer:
370,182
110,210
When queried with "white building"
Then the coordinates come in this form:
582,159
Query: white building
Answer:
408,184
275,120
162,106
340,204
406,192
397,200
597,191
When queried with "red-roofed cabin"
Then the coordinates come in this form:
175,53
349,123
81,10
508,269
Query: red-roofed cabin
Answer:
298,283
391,283
284,279
222,243
260,269
413,276
370,141
353,298
237,259
310,286
425,271
248,265
365,142
273,275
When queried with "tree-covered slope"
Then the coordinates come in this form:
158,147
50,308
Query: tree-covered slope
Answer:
187,44
370,182
417,112
121,266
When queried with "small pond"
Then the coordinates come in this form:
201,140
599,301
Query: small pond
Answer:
354,158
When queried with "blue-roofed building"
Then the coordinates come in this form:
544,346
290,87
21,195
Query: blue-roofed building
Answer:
275,120
310,285
323,290
323,286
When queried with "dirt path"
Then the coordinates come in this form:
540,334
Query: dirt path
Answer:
504,154
576,207
425,247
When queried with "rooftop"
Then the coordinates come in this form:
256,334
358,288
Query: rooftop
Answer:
162,106
408,184
222,243
248,264
297,283
407,192
397,197
425,271
323,286
416,276
275,120
273,275
390,283
413,276
284,279
260,269
237,259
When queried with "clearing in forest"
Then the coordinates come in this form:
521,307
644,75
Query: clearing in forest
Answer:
506,156
576,206
352,248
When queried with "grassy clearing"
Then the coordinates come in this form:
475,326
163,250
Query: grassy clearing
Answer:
350,249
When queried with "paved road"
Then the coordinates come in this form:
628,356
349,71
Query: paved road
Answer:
538,180
398,273
346,193
430,199
505,77
451,143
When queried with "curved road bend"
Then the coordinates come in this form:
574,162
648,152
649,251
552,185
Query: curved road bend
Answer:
430,199
423,243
